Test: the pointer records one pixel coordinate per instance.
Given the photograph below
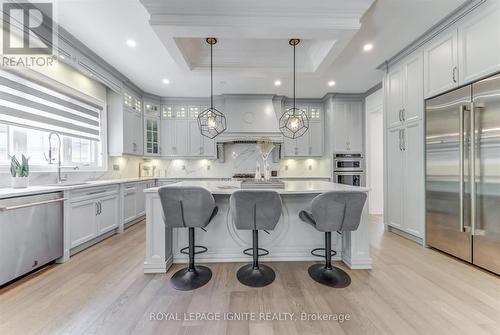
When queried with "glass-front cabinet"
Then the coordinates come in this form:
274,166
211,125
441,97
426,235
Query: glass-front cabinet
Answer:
152,136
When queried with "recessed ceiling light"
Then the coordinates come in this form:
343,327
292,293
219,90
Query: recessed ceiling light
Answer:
166,81
368,47
331,83
131,43
277,83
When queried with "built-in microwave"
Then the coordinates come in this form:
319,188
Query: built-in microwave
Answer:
349,178
348,169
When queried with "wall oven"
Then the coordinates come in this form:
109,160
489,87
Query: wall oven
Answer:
348,169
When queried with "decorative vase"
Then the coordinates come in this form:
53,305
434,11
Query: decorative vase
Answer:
19,182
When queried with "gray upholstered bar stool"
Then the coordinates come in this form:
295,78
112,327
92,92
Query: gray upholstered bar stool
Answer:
255,210
188,207
333,211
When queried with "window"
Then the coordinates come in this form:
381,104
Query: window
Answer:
32,143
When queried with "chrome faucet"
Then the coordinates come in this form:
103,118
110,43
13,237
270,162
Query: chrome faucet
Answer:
59,179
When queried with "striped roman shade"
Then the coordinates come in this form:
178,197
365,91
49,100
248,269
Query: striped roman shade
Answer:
24,103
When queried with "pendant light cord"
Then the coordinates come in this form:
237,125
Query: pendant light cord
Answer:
294,79
211,78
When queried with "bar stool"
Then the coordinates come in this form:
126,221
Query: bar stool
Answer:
333,211
255,210
188,207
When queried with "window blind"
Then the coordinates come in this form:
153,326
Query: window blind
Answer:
24,103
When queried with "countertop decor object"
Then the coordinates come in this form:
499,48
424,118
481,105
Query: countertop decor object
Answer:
19,172
211,121
294,122
265,146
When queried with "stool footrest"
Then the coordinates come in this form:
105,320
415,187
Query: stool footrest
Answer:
313,252
247,252
185,250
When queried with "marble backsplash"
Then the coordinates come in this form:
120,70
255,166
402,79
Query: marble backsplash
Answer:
239,158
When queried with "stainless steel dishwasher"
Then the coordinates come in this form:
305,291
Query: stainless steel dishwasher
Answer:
31,233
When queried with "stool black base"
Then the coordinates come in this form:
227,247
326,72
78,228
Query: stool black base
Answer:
261,276
256,274
333,277
191,278
327,274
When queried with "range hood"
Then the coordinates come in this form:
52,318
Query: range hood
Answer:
251,117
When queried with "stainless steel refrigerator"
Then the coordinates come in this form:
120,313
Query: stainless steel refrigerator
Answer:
463,173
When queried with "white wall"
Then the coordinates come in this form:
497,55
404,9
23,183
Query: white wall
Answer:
375,151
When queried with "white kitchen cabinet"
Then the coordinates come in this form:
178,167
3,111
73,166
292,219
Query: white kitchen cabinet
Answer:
311,144
140,206
129,202
93,212
479,42
107,219
441,63
394,95
83,225
347,126
125,124
152,136
404,184
394,181
413,202
174,137
404,91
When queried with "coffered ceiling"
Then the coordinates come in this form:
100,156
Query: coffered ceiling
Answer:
252,50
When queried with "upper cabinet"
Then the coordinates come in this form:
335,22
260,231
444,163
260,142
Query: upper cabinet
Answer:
151,127
465,52
311,144
441,63
404,91
347,126
181,137
125,123
479,43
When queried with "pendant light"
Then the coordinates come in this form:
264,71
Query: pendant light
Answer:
294,122
211,122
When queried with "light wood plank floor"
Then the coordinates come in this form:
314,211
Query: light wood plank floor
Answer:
411,290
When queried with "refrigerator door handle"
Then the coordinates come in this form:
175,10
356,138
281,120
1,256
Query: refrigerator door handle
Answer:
472,165
463,108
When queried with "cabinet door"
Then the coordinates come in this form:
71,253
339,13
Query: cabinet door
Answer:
354,127
83,225
290,147
339,127
129,118
394,177
195,139
316,138
479,42
302,144
140,200
138,134
152,136
108,214
181,137
413,102
168,144
413,220
209,148
129,202
394,94
440,64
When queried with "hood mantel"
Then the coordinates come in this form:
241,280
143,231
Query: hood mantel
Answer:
251,117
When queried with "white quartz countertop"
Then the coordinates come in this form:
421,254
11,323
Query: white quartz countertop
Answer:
32,190
291,187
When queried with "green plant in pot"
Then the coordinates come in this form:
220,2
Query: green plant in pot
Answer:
19,171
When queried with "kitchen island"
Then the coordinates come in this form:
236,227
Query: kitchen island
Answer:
291,240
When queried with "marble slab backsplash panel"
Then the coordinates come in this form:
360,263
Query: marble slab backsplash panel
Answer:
239,158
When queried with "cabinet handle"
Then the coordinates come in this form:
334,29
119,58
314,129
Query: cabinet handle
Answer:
403,136
454,74
400,120
403,117
96,208
400,145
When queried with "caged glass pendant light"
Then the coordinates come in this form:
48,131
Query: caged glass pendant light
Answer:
211,122
294,122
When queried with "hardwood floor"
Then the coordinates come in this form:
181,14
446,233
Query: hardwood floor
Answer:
102,290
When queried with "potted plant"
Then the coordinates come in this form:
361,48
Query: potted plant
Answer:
19,172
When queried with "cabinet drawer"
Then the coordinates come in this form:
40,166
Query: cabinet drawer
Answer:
93,192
